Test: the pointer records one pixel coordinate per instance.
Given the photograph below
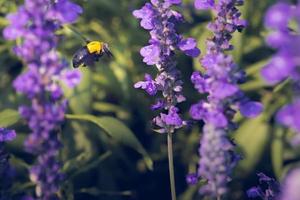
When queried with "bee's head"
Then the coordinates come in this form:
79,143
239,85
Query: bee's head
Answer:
106,50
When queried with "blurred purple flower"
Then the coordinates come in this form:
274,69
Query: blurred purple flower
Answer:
286,62
217,160
6,171
220,82
268,188
36,23
290,186
192,179
161,21
204,4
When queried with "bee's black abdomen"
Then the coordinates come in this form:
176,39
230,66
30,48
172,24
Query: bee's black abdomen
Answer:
79,57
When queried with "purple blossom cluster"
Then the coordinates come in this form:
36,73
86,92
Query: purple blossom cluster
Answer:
224,98
6,171
35,24
285,38
268,188
160,20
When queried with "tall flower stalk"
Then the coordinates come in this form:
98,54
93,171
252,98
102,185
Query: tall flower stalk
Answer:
160,20
6,172
224,97
34,25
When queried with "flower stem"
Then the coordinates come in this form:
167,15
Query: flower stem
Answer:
171,166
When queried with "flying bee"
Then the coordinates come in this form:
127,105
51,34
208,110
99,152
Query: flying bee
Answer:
90,53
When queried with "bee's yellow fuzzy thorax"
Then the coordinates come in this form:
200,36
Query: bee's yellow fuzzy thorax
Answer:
95,47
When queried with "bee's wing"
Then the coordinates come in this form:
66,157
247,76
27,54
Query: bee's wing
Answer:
107,51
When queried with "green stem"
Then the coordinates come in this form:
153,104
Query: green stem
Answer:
171,166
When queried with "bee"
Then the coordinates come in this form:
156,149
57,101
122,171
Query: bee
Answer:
90,53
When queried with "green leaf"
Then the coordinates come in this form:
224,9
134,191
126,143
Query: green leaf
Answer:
9,117
78,166
252,137
118,131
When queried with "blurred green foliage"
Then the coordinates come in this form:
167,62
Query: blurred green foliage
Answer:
109,145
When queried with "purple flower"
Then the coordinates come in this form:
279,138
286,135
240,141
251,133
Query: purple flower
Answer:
278,16
192,179
268,188
7,135
161,21
189,47
285,63
6,171
291,185
251,109
149,85
224,97
35,23
289,115
169,122
204,4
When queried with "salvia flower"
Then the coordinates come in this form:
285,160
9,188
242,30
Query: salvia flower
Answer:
290,186
268,188
286,62
224,97
6,171
35,24
160,20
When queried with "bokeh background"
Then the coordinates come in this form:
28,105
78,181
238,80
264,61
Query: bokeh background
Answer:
111,160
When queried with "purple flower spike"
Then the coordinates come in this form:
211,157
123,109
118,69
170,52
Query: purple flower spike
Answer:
217,160
219,82
285,63
161,21
40,83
